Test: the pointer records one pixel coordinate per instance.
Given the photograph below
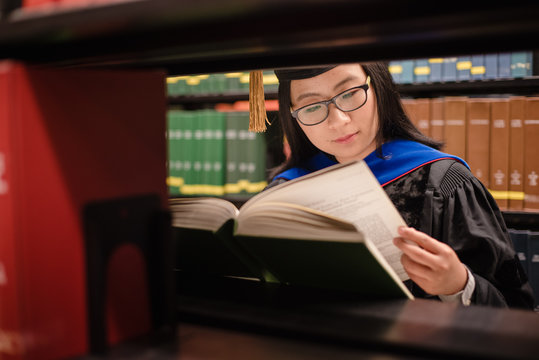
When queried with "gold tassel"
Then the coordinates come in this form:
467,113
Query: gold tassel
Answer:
257,102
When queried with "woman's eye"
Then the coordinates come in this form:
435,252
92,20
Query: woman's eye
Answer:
313,108
349,94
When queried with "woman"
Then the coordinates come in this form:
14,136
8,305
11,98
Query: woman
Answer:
352,112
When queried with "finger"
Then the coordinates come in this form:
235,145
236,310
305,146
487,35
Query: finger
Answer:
421,239
416,271
416,253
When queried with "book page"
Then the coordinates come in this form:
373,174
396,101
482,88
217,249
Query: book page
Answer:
201,212
350,192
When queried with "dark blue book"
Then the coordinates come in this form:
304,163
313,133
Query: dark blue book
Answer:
464,65
520,240
491,66
478,70
504,65
407,76
449,69
421,70
533,258
436,69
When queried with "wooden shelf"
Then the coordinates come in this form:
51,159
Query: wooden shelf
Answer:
203,36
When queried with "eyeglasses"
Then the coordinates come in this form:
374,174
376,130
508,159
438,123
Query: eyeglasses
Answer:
349,100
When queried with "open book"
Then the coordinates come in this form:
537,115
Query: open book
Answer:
331,229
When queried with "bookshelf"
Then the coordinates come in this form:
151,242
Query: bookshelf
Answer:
191,37
225,36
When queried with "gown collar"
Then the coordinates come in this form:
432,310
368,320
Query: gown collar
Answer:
399,157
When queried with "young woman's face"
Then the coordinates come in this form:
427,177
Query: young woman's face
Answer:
345,135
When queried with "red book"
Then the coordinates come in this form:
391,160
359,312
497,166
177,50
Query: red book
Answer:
69,138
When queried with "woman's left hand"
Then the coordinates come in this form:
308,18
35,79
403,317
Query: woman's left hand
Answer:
431,264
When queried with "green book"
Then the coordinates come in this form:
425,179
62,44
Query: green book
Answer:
218,153
186,151
234,125
340,238
174,138
205,120
256,162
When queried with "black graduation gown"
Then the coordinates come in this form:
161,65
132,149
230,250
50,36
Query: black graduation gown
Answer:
443,199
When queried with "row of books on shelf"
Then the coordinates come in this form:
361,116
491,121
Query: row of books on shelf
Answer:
217,84
497,137
508,65
526,245
213,153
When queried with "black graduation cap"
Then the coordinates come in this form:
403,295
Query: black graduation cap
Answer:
301,73
257,106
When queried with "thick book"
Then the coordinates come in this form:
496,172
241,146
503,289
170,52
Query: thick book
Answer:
516,152
478,138
455,125
437,122
422,112
499,152
531,149
302,233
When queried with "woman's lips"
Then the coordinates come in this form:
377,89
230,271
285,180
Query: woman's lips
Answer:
346,139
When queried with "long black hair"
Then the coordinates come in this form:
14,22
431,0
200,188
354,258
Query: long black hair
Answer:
393,123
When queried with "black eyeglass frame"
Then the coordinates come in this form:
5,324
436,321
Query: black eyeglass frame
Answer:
364,87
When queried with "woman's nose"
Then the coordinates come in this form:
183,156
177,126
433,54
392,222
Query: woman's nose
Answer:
337,117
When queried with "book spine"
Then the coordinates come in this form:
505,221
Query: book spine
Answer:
423,115
11,306
436,69
504,65
499,152
185,150
491,66
520,64
464,65
410,109
478,138
207,124
197,154
478,69
174,136
533,259
520,239
449,69
531,149
232,153
516,152
244,151
219,157
395,69
455,126
437,123
407,76
421,70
